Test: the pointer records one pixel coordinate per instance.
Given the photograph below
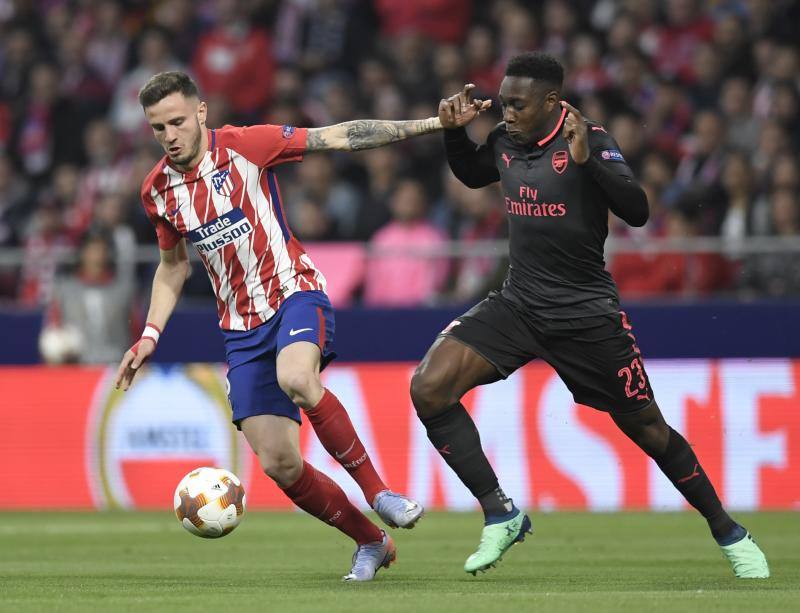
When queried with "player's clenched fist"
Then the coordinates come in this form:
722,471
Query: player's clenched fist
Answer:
575,133
457,111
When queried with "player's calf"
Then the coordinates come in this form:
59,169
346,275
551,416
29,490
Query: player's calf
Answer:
676,459
646,428
275,441
320,496
337,434
282,466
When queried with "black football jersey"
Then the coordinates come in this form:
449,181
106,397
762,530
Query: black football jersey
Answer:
557,214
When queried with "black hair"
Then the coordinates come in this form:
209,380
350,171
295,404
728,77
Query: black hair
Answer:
96,234
538,66
163,84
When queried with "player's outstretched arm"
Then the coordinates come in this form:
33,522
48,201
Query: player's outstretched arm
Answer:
367,133
454,112
170,275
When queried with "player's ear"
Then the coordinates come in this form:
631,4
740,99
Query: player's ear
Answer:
551,100
202,111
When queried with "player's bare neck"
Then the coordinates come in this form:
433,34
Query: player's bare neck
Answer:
549,125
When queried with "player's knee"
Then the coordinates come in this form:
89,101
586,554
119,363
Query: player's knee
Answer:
655,439
647,429
429,393
281,465
651,437
300,386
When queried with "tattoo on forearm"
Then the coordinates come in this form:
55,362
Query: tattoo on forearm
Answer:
369,133
316,140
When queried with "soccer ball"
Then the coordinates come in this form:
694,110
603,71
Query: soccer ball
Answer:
209,502
60,344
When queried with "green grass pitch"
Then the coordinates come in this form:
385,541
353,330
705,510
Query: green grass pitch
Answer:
288,562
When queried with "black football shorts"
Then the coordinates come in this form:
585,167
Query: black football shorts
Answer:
596,357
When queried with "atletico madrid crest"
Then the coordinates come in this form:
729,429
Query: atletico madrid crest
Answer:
223,183
559,161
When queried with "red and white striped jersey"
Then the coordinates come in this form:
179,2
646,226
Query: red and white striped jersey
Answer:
230,207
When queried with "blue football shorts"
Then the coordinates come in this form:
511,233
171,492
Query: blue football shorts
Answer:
252,354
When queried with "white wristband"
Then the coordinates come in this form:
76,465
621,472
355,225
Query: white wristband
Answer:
152,332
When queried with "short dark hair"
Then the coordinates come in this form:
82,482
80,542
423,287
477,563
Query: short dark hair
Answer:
163,84
538,66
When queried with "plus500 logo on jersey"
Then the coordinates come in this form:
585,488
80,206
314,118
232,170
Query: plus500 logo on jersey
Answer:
221,231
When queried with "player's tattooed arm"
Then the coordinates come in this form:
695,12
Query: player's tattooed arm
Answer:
367,134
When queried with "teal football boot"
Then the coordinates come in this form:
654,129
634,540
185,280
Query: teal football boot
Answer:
746,558
496,539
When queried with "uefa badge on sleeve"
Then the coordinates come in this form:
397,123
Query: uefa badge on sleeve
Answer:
612,155
223,183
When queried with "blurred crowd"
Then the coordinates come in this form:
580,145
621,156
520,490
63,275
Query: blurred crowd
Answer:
701,96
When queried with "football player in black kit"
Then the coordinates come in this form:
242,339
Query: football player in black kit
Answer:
560,175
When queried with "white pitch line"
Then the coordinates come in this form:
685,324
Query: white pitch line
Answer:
65,528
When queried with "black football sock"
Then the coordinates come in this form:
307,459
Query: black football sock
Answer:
681,466
456,438
497,507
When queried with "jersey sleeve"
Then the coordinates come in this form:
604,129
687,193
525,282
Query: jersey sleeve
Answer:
266,145
605,150
166,233
609,170
472,164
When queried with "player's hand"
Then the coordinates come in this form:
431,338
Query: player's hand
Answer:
132,360
575,133
457,111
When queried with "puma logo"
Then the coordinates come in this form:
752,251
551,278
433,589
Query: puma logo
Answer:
695,473
446,449
507,159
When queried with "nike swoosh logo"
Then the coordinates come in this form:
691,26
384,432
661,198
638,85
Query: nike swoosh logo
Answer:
294,332
338,455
